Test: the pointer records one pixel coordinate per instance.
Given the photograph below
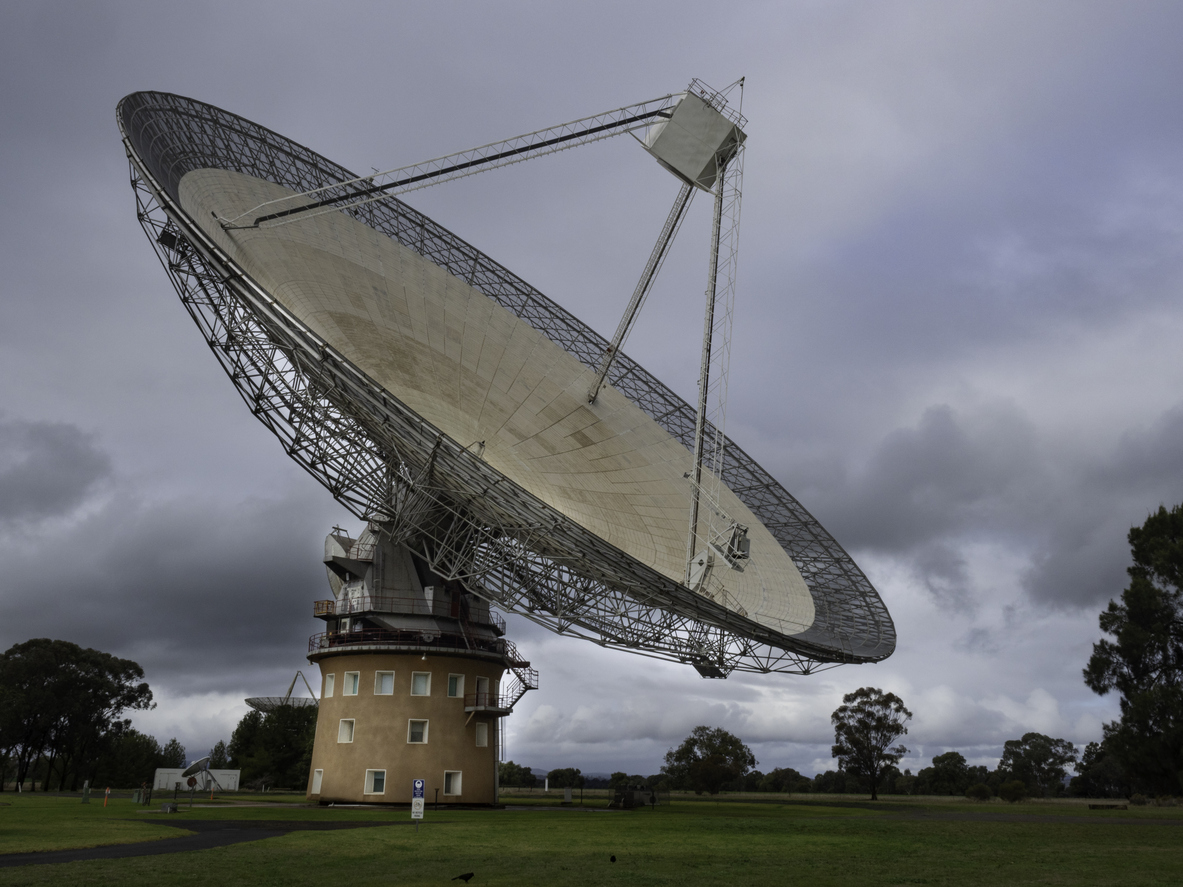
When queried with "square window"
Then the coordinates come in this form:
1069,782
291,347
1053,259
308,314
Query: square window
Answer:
384,683
420,683
345,731
452,782
482,735
455,685
417,732
375,782
330,682
317,777
352,681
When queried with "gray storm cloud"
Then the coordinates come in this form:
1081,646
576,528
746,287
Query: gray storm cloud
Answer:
956,338
47,469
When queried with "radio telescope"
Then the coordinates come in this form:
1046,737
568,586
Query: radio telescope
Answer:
267,704
499,450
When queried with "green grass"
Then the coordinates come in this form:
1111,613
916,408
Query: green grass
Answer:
693,841
44,822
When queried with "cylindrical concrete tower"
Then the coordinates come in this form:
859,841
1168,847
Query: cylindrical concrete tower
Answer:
415,676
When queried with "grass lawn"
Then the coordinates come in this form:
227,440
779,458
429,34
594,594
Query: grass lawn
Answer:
46,822
690,842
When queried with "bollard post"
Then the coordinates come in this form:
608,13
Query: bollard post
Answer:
106,795
86,792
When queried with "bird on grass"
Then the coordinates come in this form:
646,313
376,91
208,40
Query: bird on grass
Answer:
466,877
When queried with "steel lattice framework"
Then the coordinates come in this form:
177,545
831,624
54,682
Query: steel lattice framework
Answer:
386,464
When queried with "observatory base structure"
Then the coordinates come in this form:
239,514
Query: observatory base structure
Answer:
416,674
396,717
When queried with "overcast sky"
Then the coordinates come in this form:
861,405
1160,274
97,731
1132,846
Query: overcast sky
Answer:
956,340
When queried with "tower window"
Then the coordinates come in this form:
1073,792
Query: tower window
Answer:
330,683
317,777
352,681
375,782
345,731
417,732
452,782
455,685
482,735
384,683
420,683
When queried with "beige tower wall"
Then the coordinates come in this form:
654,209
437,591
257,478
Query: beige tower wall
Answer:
381,727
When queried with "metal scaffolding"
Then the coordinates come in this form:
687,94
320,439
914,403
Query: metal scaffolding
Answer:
386,464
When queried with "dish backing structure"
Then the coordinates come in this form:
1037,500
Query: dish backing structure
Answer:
495,452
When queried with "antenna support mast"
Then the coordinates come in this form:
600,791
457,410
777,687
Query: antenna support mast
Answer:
384,185
704,377
723,535
668,232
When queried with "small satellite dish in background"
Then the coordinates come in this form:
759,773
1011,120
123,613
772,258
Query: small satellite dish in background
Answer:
195,768
200,767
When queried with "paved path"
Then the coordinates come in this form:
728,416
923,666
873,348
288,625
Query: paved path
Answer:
209,834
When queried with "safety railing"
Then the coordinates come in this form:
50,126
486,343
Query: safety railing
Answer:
411,605
482,700
418,640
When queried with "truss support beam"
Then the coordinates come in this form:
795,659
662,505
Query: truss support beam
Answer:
704,379
383,185
710,443
668,232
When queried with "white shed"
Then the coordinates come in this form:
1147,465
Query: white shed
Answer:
169,778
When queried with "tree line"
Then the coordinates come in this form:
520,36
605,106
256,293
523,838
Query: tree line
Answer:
62,724
711,760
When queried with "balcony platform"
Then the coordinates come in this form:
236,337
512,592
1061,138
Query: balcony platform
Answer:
487,703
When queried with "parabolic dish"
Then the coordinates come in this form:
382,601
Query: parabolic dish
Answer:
271,703
373,341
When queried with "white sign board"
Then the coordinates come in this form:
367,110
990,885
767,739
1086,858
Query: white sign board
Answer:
417,799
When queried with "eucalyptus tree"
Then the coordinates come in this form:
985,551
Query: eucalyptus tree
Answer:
865,726
708,759
62,704
1039,762
1142,659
